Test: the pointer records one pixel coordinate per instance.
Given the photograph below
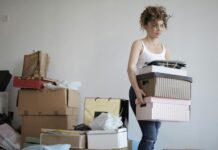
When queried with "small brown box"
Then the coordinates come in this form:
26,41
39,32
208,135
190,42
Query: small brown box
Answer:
75,140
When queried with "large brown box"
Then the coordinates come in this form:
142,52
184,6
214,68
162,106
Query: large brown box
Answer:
76,140
32,125
165,85
48,102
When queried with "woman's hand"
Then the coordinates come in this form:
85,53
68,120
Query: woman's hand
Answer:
139,94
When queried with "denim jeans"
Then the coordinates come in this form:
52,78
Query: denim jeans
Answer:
149,128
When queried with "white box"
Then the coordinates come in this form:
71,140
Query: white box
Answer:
4,102
102,139
183,149
164,109
162,69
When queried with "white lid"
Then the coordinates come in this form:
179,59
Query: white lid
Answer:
106,131
167,100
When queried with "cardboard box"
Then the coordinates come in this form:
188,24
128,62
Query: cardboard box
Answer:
76,140
165,85
164,109
4,102
35,64
31,125
102,139
48,102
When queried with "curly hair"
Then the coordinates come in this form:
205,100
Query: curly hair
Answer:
152,13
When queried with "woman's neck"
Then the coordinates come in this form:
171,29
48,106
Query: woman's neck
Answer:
152,41
153,44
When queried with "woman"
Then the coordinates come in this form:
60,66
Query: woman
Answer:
154,21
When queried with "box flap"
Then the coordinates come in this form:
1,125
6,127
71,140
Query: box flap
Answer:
73,97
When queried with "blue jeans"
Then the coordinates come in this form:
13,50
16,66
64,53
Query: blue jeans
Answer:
149,128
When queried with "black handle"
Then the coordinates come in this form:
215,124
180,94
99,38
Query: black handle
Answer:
144,82
143,105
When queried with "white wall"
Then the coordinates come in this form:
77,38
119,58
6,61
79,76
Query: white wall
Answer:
89,41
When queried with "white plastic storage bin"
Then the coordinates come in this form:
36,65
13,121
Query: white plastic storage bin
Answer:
102,139
163,109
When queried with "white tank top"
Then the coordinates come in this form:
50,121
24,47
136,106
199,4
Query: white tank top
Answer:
147,56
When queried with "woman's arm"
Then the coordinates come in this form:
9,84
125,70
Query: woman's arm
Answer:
133,59
167,55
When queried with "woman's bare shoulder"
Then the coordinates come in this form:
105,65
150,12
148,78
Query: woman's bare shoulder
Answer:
137,44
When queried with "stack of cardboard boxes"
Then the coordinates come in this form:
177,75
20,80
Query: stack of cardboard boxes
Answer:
44,108
55,109
168,94
49,114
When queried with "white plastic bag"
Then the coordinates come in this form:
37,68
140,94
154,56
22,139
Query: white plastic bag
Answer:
106,121
63,84
9,138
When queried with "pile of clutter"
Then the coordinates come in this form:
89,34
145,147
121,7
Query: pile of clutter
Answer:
39,106
50,108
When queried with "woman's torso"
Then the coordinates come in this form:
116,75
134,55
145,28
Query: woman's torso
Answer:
148,56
